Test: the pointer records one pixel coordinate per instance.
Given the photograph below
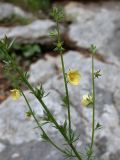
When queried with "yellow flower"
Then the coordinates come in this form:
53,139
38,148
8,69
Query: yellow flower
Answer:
87,100
15,94
73,77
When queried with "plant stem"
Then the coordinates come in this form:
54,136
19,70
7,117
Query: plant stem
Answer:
37,122
93,92
21,74
51,116
65,83
67,96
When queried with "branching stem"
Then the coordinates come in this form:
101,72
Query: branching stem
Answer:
40,127
51,116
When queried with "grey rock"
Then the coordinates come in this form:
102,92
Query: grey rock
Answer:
96,24
2,147
7,10
15,115
33,150
37,31
41,71
115,155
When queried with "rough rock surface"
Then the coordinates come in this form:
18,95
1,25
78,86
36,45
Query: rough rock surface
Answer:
37,31
43,76
95,24
18,139
8,10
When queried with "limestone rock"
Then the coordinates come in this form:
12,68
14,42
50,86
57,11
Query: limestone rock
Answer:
37,31
7,10
41,71
96,24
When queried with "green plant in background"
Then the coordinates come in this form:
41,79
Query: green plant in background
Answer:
27,50
36,5
15,20
33,5
73,77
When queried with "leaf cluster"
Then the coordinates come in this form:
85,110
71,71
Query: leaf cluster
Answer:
46,118
58,14
97,74
68,154
59,47
27,50
93,49
89,153
44,137
36,5
65,102
9,61
29,113
4,50
64,127
40,92
98,126
53,34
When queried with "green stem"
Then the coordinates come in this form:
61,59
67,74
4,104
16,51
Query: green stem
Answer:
39,124
58,30
51,116
93,116
67,96
46,109
65,83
